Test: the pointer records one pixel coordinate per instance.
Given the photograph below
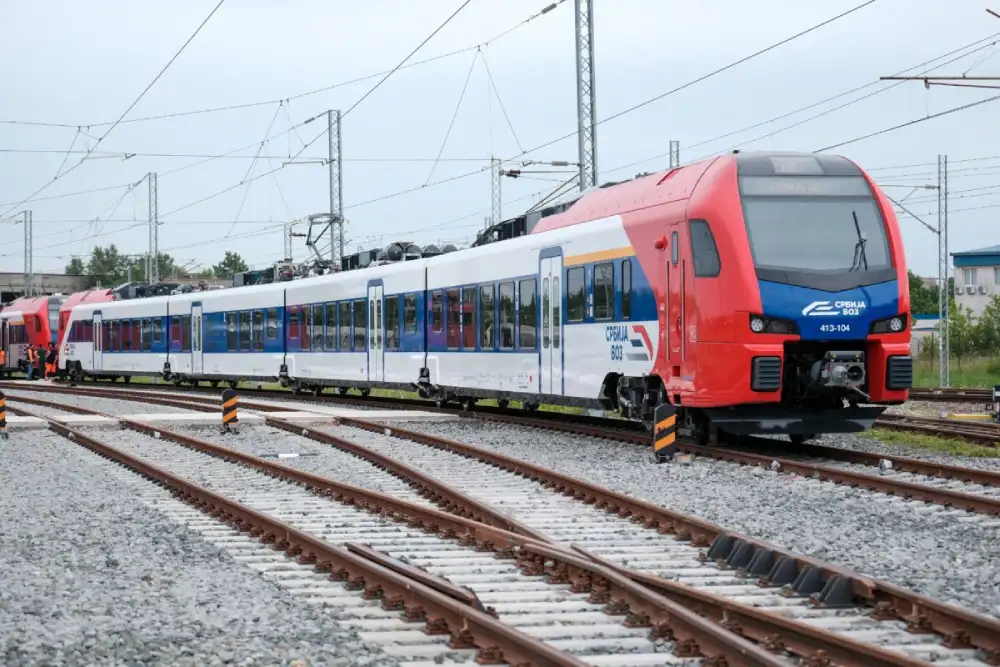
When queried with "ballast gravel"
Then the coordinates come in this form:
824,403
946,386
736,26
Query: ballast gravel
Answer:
91,576
875,446
112,406
934,553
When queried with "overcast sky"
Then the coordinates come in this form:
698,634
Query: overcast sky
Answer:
82,64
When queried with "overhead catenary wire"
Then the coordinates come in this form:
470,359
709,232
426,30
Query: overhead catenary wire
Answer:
235,107
342,116
503,109
454,115
124,113
253,164
978,44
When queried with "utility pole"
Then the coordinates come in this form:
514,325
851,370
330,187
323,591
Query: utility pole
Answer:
586,107
496,212
288,240
335,159
29,255
153,259
675,153
944,294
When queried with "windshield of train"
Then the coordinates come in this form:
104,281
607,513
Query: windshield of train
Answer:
814,224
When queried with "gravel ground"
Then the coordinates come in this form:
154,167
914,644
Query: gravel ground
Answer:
92,576
932,553
290,399
876,446
112,406
314,457
934,409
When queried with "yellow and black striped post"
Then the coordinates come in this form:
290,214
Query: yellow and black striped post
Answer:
664,433
3,416
230,408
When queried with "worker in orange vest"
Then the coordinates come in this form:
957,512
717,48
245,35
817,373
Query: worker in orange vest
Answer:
3,361
50,362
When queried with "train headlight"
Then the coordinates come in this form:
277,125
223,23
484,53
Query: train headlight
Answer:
772,325
896,324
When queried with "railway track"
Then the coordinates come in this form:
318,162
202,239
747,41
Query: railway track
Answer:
952,394
951,487
765,594
983,433
396,572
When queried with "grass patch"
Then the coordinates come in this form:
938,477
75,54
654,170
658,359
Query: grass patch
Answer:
934,443
968,373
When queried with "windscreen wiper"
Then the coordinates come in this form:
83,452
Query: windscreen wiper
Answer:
859,248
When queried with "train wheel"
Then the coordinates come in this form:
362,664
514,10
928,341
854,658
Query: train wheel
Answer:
503,403
469,404
215,383
440,402
366,391
127,379
318,391
343,390
233,384
529,407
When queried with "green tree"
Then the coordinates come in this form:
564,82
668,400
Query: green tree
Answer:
923,298
165,264
964,333
76,267
232,263
107,265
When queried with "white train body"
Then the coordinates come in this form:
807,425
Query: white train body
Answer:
546,317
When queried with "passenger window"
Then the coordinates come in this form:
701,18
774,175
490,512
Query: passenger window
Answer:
486,317
272,324
147,335
437,310
528,315
704,250
575,300
468,318
137,335
359,325
454,319
304,323
293,323
604,291
556,313
674,248
186,333
627,289
546,321
506,316
245,330
258,330
345,326
231,343
392,323
317,327
331,326
410,313
157,330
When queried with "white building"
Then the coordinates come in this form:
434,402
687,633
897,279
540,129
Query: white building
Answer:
977,277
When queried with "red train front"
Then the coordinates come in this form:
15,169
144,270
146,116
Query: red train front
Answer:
782,293
31,320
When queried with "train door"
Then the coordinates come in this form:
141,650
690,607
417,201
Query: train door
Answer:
196,351
376,353
550,273
675,296
98,346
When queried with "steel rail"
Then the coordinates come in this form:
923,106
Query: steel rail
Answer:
754,557
423,594
775,566
445,607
